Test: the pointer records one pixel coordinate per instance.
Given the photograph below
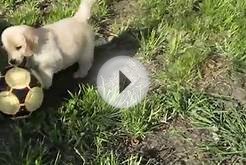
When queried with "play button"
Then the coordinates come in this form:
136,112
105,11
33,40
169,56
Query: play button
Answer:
123,82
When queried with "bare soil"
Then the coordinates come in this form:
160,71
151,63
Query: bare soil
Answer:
219,78
176,143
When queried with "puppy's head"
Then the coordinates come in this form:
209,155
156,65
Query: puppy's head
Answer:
19,42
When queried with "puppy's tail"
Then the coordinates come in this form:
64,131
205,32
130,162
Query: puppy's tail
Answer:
84,12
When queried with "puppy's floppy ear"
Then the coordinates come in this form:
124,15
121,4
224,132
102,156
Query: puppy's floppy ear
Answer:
31,41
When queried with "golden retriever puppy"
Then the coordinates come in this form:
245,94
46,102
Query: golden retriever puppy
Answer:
52,48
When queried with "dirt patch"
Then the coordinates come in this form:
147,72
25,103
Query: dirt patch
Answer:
220,79
124,10
176,143
122,13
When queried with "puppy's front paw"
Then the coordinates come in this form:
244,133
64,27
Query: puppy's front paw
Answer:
79,74
47,85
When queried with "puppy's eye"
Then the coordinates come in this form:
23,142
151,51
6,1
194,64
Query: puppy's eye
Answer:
18,47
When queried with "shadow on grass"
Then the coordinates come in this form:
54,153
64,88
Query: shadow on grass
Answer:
63,82
3,55
3,25
124,45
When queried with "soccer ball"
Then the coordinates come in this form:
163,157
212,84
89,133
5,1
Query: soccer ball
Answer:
20,92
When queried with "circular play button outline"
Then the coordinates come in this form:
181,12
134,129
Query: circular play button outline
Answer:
123,82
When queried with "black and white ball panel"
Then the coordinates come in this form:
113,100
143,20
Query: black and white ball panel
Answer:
34,99
9,103
18,78
20,92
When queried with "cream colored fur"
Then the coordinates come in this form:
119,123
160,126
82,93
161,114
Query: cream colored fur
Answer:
54,47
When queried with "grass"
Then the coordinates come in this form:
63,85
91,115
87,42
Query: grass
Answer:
177,41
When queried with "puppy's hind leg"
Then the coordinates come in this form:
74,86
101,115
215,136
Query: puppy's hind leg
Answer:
85,63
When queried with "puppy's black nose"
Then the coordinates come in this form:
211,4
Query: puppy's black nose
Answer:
13,61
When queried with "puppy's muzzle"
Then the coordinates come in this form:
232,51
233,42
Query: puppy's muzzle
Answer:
13,62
